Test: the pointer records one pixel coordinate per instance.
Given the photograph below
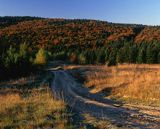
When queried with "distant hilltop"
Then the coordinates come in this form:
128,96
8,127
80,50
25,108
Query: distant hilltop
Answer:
45,31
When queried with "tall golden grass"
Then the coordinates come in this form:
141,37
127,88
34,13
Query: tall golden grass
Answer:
25,103
141,82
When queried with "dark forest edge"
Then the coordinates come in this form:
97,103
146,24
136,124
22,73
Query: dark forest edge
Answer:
20,62
22,51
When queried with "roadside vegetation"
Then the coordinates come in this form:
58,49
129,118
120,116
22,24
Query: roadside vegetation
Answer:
29,103
130,83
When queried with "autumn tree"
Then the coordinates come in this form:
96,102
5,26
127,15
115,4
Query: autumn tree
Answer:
41,57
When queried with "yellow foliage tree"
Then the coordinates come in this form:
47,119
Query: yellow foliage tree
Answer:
41,57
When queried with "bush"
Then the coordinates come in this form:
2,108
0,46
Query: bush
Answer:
41,57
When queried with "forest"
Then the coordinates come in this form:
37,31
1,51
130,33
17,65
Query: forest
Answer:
28,43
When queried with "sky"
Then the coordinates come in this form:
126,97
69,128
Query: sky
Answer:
118,11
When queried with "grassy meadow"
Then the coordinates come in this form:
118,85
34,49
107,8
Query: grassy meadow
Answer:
133,83
29,103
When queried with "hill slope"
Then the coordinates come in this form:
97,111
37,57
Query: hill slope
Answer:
48,32
77,41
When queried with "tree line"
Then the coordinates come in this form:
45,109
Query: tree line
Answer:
114,53
21,60
27,43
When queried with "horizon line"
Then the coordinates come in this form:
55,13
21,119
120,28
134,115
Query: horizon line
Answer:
65,18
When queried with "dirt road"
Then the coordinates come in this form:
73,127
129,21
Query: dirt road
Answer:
80,99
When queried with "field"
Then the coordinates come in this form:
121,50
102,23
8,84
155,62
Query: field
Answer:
131,83
29,103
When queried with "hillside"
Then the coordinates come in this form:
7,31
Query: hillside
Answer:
75,41
49,32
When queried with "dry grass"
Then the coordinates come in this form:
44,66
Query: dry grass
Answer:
137,82
100,123
31,105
